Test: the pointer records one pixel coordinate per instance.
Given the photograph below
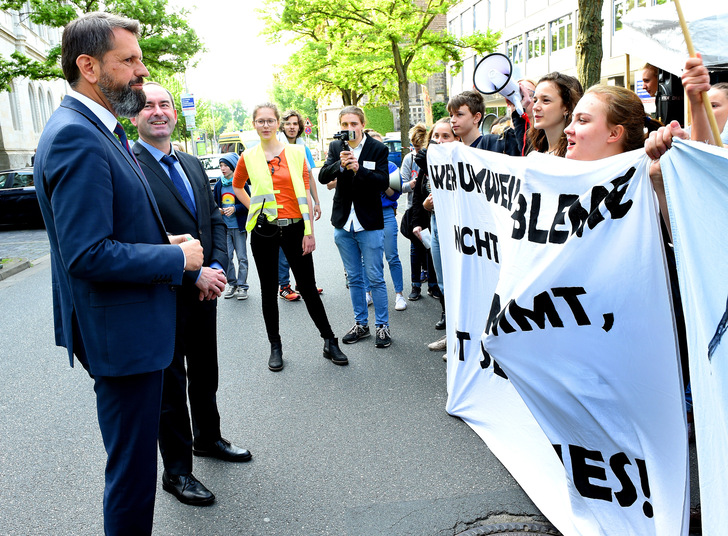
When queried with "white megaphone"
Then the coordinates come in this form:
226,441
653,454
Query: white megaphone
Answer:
496,74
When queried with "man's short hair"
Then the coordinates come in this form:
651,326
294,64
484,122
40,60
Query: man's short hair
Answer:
287,115
472,99
171,98
91,34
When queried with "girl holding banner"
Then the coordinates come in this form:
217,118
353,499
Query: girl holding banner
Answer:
553,103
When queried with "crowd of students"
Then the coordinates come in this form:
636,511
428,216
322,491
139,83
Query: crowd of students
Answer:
559,118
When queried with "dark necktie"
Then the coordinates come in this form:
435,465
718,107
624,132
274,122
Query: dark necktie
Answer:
119,131
179,182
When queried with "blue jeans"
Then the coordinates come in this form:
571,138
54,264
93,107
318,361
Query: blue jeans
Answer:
284,272
237,243
436,258
391,231
369,246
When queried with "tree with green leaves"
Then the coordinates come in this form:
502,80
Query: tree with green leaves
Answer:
589,43
167,40
289,99
372,47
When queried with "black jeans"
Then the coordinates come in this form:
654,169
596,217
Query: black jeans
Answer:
264,244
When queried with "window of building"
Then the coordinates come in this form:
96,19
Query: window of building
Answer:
42,106
536,42
481,14
467,22
15,108
34,109
562,33
514,49
622,7
50,104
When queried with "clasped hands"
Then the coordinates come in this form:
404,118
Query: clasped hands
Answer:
211,282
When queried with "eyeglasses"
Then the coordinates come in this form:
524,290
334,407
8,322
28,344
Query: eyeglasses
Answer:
269,122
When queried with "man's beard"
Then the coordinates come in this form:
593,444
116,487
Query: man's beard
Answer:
125,101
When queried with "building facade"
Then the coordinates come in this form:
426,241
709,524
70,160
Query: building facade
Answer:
25,109
539,36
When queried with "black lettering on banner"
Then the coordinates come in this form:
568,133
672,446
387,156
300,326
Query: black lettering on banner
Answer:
462,336
570,204
559,237
519,219
481,241
588,466
584,472
486,361
535,234
543,309
438,174
628,494
450,179
467,177
570,297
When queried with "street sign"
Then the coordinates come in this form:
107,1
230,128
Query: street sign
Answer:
190,122
307,124
188,104
307,130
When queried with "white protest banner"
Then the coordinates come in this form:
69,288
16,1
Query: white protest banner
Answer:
696,183
565,361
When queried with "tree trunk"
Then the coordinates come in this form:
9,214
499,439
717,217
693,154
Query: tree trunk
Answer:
403,87
589,43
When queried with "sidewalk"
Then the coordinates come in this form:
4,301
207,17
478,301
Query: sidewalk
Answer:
21,247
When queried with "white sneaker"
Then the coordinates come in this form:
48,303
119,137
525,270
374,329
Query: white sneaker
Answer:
369,299
399,303
439,345
241,293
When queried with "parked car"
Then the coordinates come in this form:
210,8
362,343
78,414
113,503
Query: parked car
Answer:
18,202
211,163
394,144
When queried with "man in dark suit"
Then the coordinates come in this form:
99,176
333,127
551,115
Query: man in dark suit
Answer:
113,264
361,171
185,200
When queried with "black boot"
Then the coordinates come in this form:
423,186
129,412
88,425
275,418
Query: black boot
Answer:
275,363
334,353
441,324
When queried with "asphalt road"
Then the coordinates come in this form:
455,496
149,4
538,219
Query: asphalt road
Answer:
366,449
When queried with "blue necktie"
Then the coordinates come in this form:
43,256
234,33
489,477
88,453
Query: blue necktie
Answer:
179,182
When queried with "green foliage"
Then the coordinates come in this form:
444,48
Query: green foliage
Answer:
379,118
288,99
374,47
167,40
439,110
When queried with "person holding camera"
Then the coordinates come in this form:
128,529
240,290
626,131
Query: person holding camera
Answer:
358,164
279,217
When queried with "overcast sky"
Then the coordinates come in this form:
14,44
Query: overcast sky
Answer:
238,64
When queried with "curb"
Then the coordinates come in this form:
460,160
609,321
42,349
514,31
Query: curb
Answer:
13,267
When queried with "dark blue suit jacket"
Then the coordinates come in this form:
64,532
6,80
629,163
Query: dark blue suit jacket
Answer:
113,267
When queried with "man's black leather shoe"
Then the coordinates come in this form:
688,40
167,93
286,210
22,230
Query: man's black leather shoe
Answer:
275,363
187,489
222,449
334,353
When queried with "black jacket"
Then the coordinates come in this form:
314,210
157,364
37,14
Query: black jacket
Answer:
363,189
